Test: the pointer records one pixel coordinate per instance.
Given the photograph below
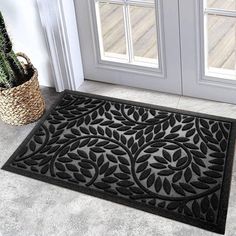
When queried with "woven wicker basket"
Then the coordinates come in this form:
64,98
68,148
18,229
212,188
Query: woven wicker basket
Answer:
22,104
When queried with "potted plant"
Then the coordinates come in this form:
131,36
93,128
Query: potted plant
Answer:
21,101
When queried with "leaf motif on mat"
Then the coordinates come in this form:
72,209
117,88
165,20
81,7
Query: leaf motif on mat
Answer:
157,158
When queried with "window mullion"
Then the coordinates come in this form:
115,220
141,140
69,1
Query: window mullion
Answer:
220,12
128,33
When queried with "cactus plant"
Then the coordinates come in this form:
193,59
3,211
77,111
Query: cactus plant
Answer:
11,71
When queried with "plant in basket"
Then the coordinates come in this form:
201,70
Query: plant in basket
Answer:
21,101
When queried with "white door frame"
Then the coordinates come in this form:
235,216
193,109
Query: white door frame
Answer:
59,23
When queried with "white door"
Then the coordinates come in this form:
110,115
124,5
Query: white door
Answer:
131,42
179,46
208,40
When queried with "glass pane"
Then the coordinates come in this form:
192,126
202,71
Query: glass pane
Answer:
222,4
113,30
221,42
144,34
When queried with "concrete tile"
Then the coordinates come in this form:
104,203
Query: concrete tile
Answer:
129,93
208,107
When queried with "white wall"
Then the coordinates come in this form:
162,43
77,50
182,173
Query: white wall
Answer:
25,30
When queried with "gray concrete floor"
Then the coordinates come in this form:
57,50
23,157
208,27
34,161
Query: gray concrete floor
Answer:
32,208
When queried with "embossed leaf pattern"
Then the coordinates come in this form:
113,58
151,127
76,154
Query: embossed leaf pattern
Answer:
135,152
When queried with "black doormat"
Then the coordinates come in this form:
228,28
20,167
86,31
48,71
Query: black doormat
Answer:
168,162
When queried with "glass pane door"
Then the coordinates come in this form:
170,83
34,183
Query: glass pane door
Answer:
131,42
220,38
208,46
128,31
112,30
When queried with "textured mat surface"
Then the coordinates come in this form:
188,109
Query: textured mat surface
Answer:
168,162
